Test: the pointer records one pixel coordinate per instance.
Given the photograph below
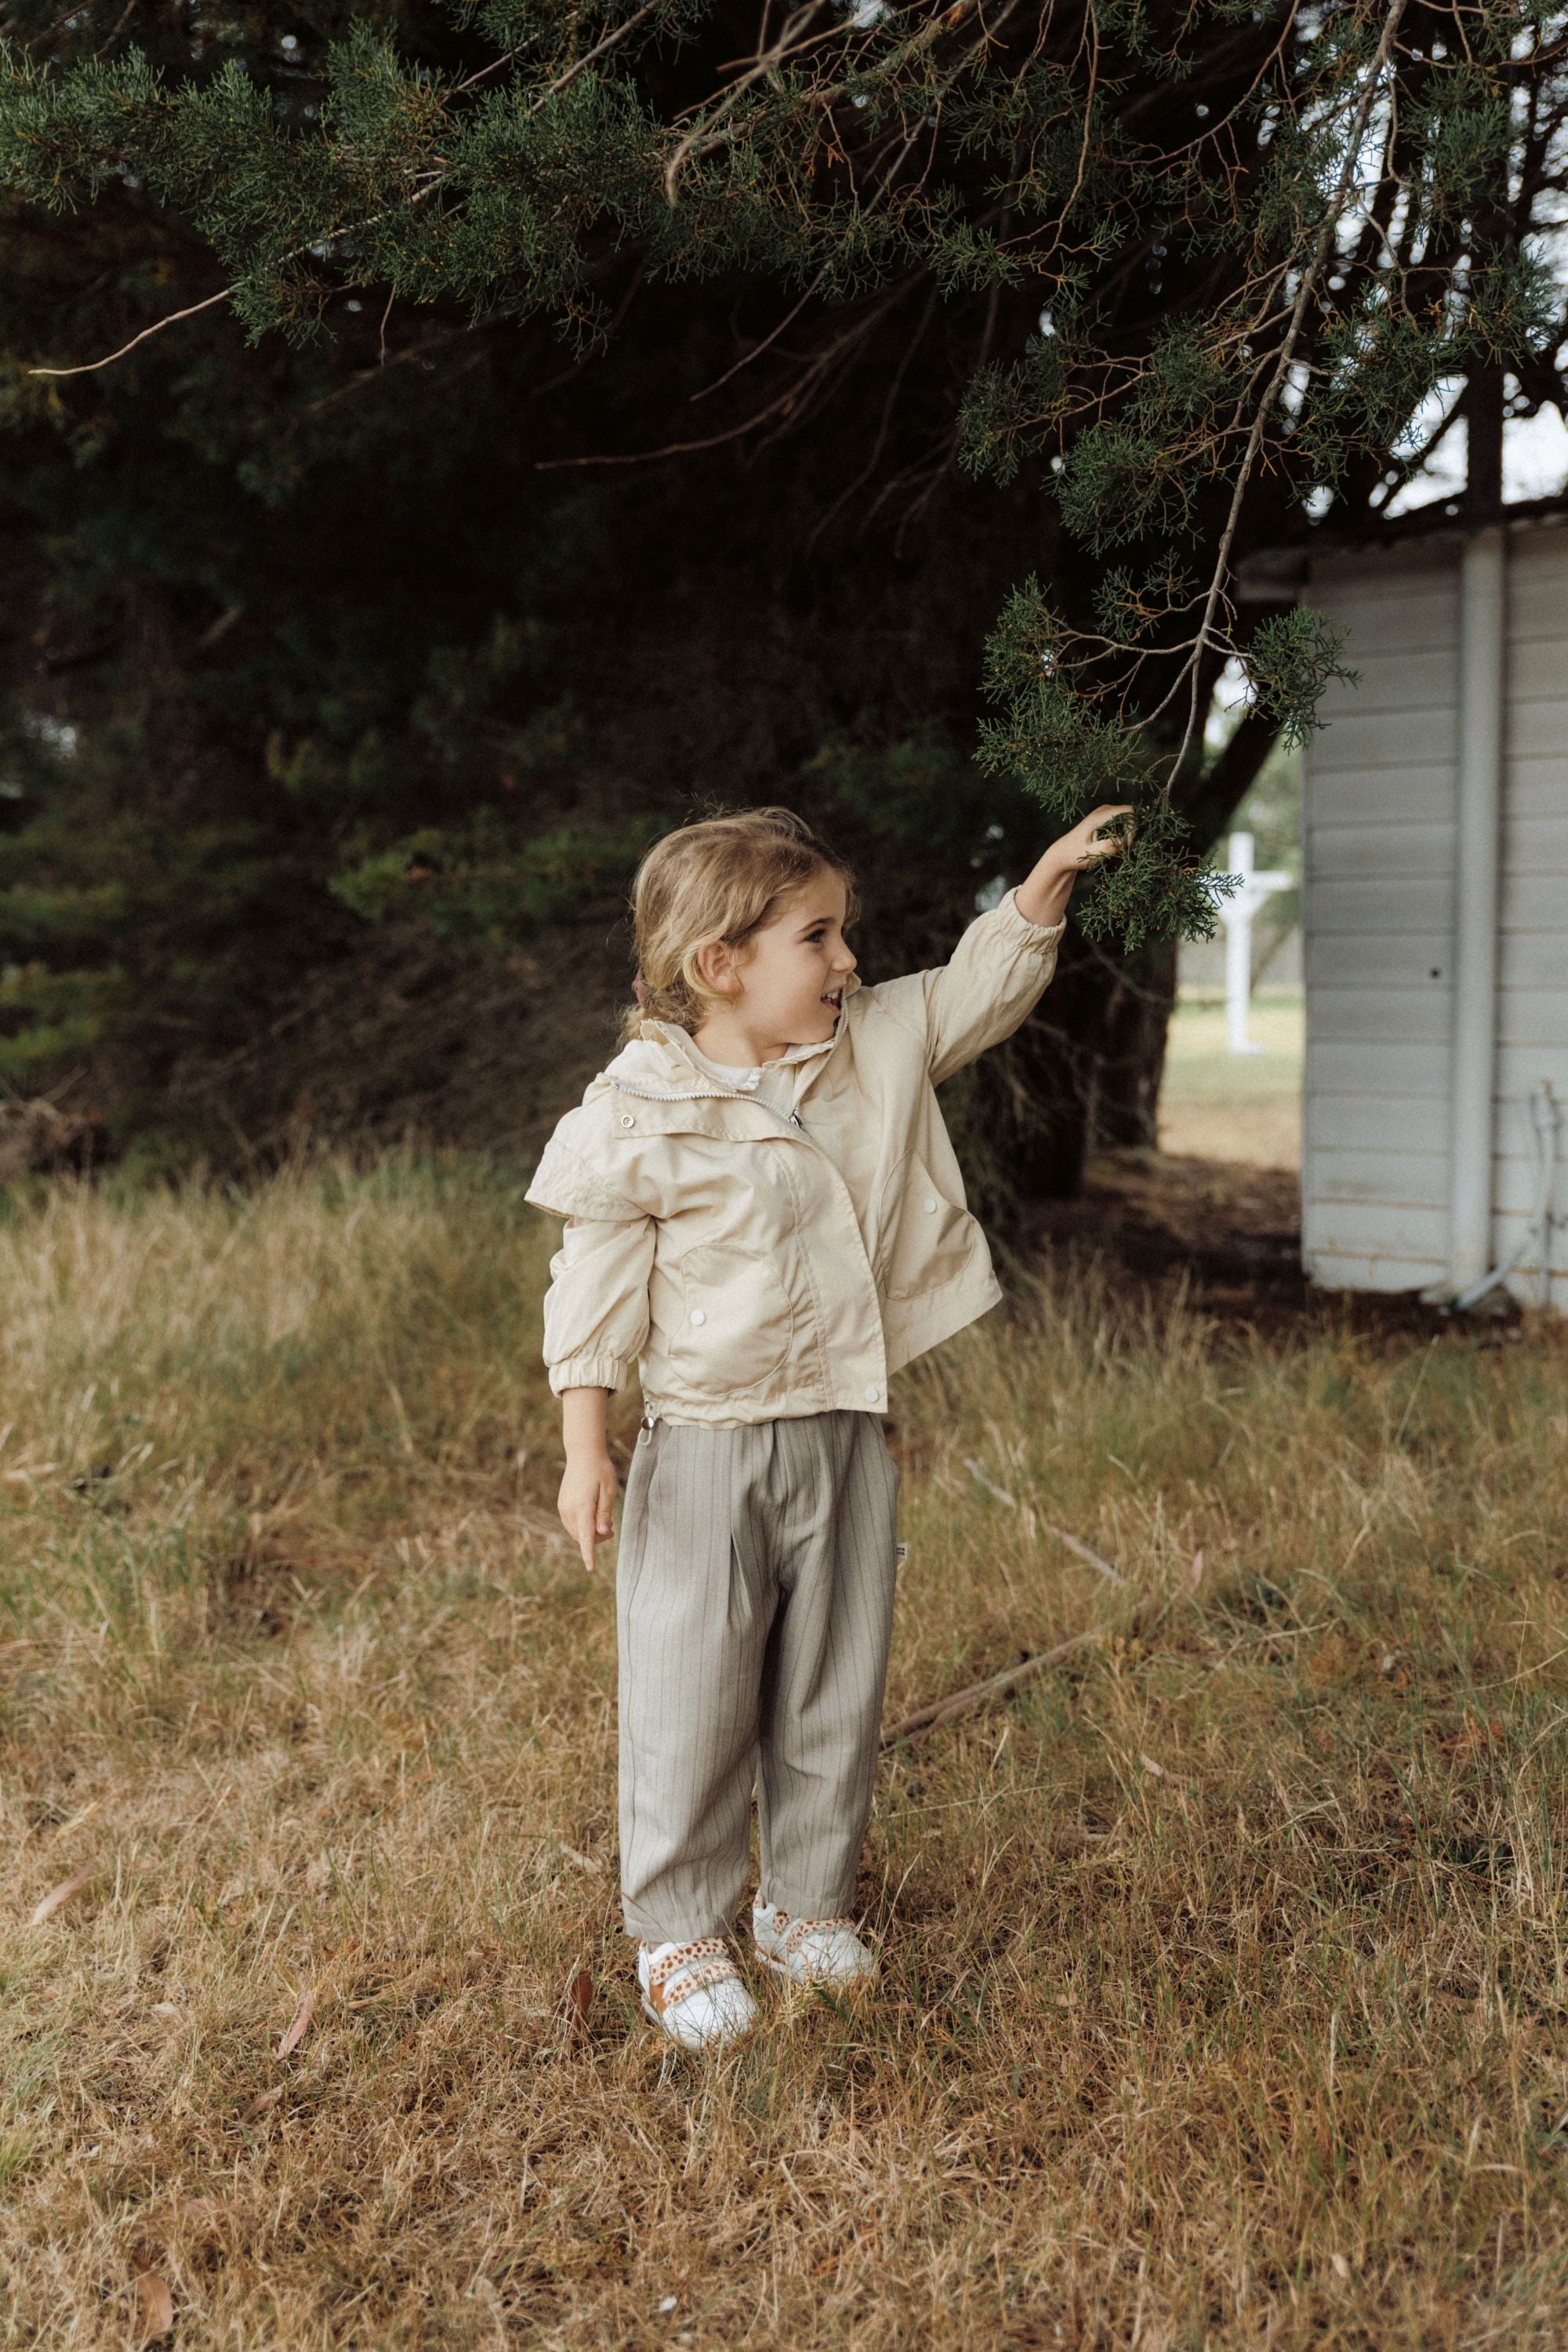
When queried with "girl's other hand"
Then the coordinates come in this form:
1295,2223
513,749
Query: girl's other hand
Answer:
586,1502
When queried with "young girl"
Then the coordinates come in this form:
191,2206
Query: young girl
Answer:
764,1212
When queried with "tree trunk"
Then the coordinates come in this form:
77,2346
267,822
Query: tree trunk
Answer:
1083,1074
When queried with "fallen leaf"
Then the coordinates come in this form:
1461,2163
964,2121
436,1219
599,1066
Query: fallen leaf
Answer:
157,2306
302,2016
262,2101
202,2212
1195,1573
57,1896
485,2293
579,2001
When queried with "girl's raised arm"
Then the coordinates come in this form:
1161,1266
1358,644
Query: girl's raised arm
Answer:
1043,899
999,968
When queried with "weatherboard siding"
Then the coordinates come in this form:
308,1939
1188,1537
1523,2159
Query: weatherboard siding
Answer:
1379,898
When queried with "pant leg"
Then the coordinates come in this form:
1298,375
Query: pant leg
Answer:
695,1602
837,1490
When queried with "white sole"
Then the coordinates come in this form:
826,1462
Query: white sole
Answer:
720,2041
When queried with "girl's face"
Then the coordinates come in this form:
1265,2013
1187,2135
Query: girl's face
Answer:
788,987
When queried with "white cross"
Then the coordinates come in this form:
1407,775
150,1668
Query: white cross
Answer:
1237,913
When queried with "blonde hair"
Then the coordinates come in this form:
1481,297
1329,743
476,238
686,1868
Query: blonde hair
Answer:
721,880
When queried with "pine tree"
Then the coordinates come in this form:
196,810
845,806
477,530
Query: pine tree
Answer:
1161,282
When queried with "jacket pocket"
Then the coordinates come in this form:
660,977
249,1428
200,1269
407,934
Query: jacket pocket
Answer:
931,1240
737,1325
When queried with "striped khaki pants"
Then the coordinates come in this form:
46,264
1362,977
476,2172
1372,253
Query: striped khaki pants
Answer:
755,1597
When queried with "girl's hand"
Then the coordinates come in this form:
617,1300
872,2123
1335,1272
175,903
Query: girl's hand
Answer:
586,1501
1043,899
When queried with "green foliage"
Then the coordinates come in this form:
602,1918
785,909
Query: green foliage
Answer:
50,1018
1007,413
477,884
1171,281
1292,658
1122,484
1070,759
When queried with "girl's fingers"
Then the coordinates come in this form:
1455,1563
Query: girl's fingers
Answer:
1100,844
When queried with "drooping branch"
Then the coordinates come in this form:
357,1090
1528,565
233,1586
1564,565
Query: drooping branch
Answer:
1206,271
1328,231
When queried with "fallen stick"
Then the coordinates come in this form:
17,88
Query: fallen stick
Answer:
975,1695
1101,1567
990,1484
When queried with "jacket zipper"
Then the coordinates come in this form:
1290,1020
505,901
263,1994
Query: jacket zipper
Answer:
706,1093
791,1118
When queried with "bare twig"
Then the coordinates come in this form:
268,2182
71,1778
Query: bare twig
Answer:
786,403
1074,1544
705,134
591,57
768,339
976,1694
156,328
330,236
1081,1551
1277,381
990,1485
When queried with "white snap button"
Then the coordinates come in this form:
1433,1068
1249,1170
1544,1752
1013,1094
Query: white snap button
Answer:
697,1316
930,1208
872,1392
626,1119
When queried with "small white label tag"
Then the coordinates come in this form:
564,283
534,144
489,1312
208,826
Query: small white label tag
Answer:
900,1551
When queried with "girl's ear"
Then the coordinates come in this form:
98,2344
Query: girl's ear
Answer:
716,963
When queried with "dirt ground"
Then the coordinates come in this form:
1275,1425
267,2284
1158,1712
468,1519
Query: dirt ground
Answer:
1232,1229
1229,1232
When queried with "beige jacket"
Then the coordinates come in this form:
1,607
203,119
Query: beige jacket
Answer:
756,1265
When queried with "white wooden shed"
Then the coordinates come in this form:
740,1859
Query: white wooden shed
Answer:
1436,917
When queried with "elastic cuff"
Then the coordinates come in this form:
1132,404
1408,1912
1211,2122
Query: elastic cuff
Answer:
587,1373
1034,935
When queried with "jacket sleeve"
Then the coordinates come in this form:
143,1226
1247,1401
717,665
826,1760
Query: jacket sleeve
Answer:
993,981
596,1309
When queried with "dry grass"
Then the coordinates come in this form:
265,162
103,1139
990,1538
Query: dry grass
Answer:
1215,1105
1226,1991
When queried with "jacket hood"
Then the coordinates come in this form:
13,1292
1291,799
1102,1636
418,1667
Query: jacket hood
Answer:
662,1056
